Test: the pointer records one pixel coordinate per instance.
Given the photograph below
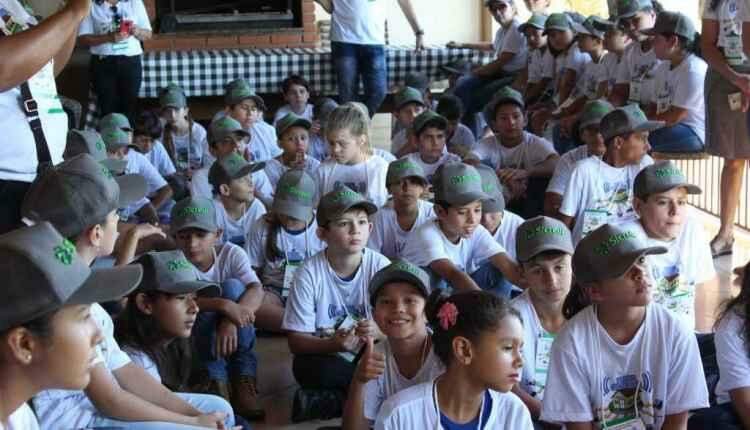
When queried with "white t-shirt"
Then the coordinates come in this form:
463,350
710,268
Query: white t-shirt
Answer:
637,69
366,178
505,234
462,137
358,21
275,169
682,87
264,145
142,359
564,169
532,151
319,298
286,109
604,194
160,159
588,82
197,156
138,164
730,15
537,60
572,59
230,262
388,237
101,20
676,274
429,169
236,230
535,340
22,418
497,42
18,158
608,71
398,141
318,147
732,356
514,42
590,374
414,408
200,187
385,155
391,381
428,243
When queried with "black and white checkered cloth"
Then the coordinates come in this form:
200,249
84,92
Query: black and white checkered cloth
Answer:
205,72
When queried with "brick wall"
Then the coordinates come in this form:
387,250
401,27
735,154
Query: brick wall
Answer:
297,37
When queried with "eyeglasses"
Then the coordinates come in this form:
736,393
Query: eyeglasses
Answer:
116,17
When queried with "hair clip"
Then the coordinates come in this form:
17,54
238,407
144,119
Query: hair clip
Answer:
448,314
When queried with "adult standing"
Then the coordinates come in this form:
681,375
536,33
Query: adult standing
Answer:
31,116
357,46
113,31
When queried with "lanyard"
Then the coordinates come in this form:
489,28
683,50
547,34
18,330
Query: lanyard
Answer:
438,426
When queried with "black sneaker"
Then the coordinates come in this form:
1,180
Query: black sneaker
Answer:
316,405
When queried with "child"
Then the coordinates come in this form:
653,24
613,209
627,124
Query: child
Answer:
603,187
616,41
398,295
500,223
544,250
537,87
47,319
408,103
146,134
351,162
224,332
569,61
679,86
660,193
478,337
296,91
393,223
459,137
294,135
318,143
328,315
588,127
90,142
183,138
454,245
621,361
429,130
279,242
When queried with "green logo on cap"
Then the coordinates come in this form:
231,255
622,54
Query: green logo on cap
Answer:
176,265
99,145
294,191
406,267
345,195
542,230
404,166
462,179
606,246
193,210
489,188
667,171
65,252
107,174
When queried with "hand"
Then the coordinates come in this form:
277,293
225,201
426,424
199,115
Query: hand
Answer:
226,338
315,128
214,420
743,83
419,44
745,102
299,160
346,340
238,314
453,45
366,329
118,37
145,230
371,365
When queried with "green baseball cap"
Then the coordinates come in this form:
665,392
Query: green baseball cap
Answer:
399,271
593,112
588,27
193,212
172,99
172,86
457,184
223,127
672,23
115,138
78,193
492,187
660,177
429,118
558,21
626,119
295,195
115,120
541,234
504,95
291,120
170,272
337,202
90,142
536,20
42,272
608,252
407,95
230,167
238,90
404,168
628,8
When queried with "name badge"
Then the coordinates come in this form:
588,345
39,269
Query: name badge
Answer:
290,268
635,91
541,362
633,424
593,219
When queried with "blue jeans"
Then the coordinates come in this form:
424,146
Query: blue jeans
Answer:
243,361
677,138
487,277
205,403
350,61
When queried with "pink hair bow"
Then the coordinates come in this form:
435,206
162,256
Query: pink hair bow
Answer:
448,314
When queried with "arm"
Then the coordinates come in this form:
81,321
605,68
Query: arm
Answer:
148,213
327,5
126,252
305,343
579,426
496,67
63,55
135,380
672,116
546,168
534,405
535,89
552,203
458,279
100,39
353,417
567,84
713,56
408,9
567,220
481,46
675,421
252,298
162,195
741,402
509,268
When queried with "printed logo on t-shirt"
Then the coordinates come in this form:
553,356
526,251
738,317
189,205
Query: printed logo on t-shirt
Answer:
617,200
625,398
10,26
673,290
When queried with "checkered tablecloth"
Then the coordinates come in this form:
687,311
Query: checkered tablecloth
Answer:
204,73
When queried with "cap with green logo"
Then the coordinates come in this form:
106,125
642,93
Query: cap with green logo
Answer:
593,112
170,272
172,99
403,168
624,120
672,23
115,120
457,184
429,118
230,167
660,177
558,21
42,272
295,195
172,86
540,234
628,8
399,271
494,190
608,252
193,212
588,27
90,142
505,95
78,193
337,202
291,120
537,20
238,90
224,127
407,95
115,138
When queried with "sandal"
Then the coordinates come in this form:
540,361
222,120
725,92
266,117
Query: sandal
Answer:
721,247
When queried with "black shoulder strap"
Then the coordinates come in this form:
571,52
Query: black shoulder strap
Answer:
31,109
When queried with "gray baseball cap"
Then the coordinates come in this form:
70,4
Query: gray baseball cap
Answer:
608,252
457,184
672,23
172,99
588,27
340,200
42,272
541,234
660,177
115,138
399,271
407,95
238,90
193,212
626,119
291,120
417,80
628,8
295,195
78,193
90,142
115,120
403,168
558,21
223,127
323,108
536,20
230,167
170,272
594,111
429,118
494,190
504,95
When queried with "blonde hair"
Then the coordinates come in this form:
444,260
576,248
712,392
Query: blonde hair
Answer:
352,116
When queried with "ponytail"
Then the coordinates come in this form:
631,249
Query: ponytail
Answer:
577,300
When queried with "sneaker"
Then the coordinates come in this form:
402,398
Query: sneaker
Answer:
316,404
245,398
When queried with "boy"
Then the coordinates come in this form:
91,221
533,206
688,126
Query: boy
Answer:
318,142
603,187
224,332
294,139
615,42
500,223
328,312
90,142
454,245
146,134
460,138
392,224
537,87
296,92
429,130
408,103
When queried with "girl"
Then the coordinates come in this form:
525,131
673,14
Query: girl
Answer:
294,137
352,162
398,294
183,138
615,42
478,337
679,86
